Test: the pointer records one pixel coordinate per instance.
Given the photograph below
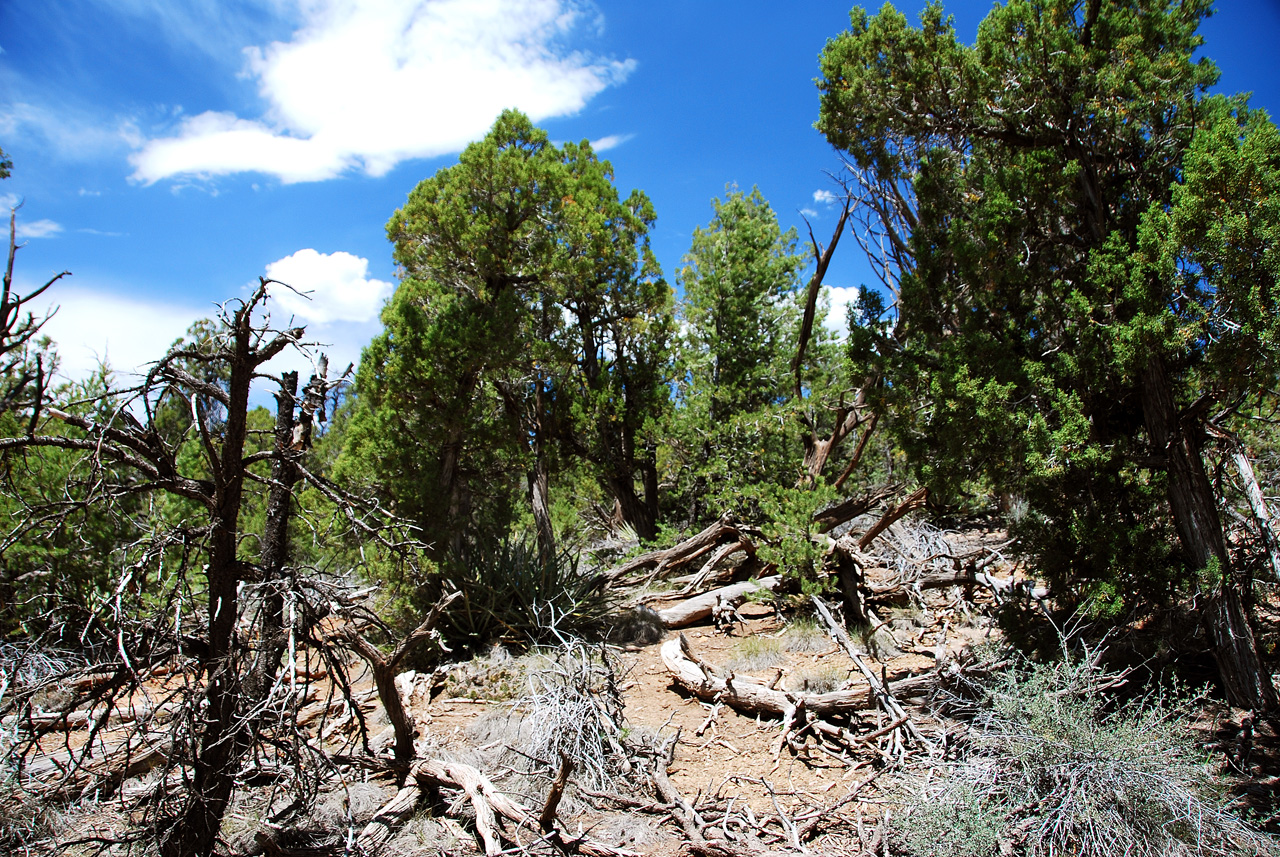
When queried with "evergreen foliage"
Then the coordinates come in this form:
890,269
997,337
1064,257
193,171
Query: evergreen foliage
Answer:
530,328
1084,252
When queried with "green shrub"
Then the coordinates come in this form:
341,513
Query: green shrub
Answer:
1056,764
509,593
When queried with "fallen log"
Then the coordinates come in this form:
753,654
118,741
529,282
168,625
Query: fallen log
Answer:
712,684
1001,587
73,773
681,554
700,607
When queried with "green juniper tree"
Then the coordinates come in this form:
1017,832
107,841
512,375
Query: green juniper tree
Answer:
529,331
741,316
1066,309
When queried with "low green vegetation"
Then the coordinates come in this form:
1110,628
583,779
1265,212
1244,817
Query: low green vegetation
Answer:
1062,759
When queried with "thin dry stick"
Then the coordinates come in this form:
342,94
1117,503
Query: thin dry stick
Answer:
547,820
879,690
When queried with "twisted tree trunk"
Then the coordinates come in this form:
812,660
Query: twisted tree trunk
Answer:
1195,514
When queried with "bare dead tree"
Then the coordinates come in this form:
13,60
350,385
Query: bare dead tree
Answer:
23,373
219,620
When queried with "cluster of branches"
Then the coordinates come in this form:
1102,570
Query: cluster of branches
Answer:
193,645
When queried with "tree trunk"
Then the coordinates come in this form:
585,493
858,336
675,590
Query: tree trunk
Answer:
637,512
1195,514
538,488
213,769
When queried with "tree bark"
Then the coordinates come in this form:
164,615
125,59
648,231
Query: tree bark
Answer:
700,607
217,743
1195,514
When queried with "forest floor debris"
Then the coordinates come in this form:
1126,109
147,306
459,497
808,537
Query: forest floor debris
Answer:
619,750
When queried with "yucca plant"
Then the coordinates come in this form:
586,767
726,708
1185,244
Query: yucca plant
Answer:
510,593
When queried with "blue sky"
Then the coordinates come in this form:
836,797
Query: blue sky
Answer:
168,153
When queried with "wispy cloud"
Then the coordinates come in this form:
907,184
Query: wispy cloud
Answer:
825,197
88,231
38,229
808,212
70,130
612,141
366,84
93,326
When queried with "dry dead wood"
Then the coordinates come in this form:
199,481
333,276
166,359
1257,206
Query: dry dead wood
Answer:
53,721
828,519
384,671
662,561
72,773
1001,587
488,804
681,810
712,684
882,695
916,501
700,607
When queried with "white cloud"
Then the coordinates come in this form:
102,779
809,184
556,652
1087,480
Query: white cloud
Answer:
87,192
841,298
808,212
336,287
38,229
612,141
93,326
366,84
825,197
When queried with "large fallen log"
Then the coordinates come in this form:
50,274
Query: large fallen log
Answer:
700,607
72,773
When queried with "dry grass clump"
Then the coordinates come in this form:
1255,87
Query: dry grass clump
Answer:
804,634
27,823
818,680
755,653
1056,764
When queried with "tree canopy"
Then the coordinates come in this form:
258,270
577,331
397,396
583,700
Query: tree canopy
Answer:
1052,342
530,327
